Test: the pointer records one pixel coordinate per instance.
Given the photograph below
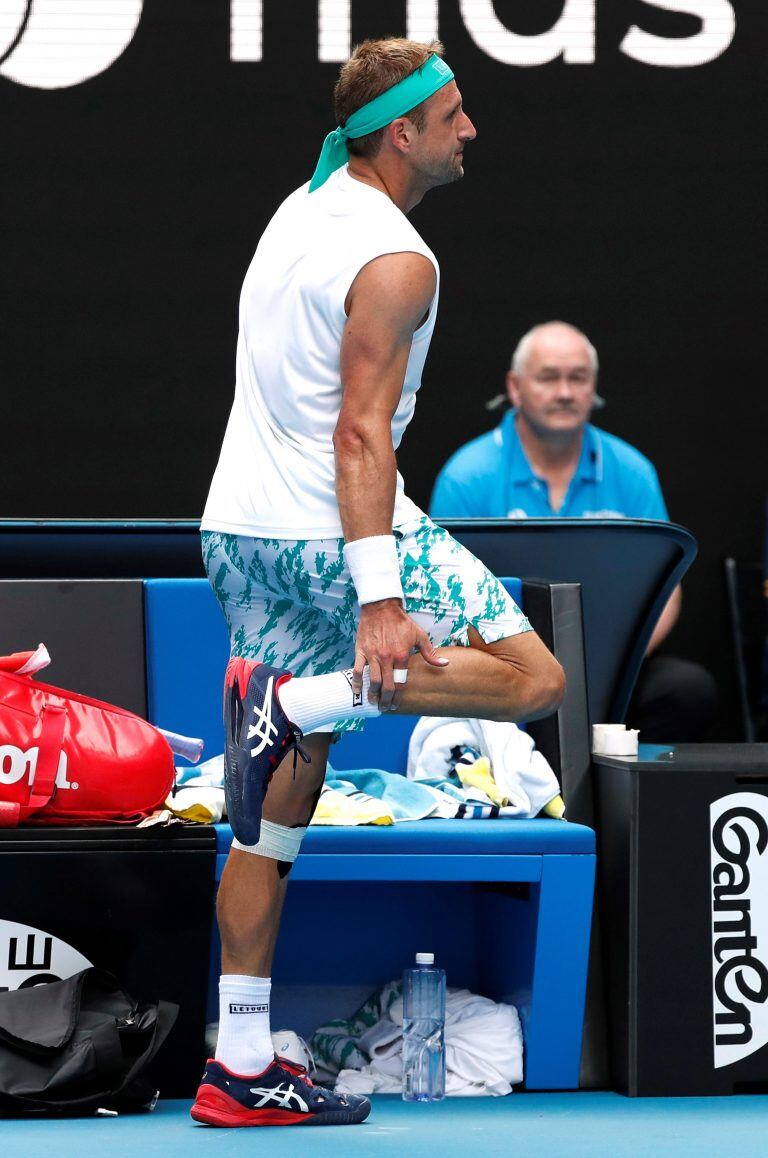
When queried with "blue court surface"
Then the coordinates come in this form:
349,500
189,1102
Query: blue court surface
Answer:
579,1125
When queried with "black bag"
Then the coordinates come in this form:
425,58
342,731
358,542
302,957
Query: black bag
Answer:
78,1045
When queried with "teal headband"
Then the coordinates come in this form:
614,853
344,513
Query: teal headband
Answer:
381,111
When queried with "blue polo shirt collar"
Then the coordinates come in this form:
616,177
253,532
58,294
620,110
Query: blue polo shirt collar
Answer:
589,469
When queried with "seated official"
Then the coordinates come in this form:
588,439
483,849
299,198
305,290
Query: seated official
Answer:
546,459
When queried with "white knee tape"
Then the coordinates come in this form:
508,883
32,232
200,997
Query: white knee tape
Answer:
275,841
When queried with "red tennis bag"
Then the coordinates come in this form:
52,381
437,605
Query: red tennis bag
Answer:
69,759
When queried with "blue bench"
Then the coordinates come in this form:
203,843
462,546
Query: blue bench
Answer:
505,905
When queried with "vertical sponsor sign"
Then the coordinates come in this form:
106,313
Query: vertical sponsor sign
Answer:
739,852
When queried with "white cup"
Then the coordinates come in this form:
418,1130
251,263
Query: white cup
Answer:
621,743
599,733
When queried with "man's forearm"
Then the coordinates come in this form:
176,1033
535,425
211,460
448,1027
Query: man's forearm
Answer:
667,620
366,478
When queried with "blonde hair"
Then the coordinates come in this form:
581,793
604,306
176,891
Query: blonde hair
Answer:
373,67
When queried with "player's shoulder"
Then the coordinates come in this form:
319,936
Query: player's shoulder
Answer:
388,229
621,454
287,214
296,201
381,221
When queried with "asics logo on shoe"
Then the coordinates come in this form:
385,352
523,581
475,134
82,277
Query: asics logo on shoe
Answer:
264,729
279,1096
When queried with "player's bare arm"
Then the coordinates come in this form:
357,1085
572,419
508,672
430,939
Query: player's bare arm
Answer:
388,301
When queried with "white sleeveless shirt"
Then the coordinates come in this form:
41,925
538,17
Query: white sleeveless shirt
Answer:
276,471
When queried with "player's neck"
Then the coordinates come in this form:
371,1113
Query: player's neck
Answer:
557,452
394,181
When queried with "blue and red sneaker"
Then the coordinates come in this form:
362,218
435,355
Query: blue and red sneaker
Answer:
257,735
282,1095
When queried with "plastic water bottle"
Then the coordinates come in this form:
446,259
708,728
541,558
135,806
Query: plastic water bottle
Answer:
424,1031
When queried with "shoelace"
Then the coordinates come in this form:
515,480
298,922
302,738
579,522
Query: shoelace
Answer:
301,1072
296,1068
294,744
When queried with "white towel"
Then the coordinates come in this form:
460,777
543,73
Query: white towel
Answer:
522,773
483,1049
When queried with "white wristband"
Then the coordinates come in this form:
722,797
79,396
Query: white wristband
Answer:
375,568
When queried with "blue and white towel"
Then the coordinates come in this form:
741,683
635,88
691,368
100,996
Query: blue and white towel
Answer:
522,774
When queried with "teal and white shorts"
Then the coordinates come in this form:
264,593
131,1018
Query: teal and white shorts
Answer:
292,603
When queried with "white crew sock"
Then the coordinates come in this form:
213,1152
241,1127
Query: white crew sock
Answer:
309,702
244,1044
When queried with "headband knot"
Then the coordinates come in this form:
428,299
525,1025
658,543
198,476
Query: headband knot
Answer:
381,111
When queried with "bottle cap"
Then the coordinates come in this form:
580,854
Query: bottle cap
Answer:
425,958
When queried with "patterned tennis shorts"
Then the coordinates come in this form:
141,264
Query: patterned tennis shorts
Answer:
292,603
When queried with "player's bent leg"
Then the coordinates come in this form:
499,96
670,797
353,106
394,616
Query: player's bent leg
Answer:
535,680
506,673
511,679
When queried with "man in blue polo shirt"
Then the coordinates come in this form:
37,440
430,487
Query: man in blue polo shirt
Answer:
545,459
